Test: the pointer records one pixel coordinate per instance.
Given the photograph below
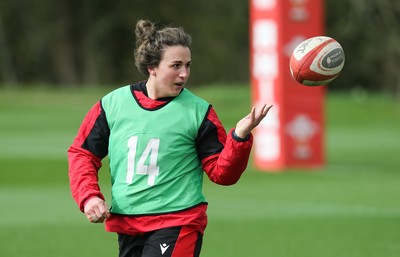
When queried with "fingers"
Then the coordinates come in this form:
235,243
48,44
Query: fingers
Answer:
97,214
252,120
257,118
94,219
253,114
265,109
96,210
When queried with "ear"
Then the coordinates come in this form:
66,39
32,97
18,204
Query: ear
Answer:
151,70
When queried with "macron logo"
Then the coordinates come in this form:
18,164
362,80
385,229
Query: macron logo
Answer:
163,248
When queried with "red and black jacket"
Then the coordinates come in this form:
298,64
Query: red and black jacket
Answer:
223,156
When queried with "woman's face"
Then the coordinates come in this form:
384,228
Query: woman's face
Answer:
169,77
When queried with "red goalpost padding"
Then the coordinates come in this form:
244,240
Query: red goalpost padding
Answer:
292,136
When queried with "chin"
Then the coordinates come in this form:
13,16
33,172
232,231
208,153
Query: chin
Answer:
176,92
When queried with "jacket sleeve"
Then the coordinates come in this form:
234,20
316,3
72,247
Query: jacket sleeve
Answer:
224,157
89,147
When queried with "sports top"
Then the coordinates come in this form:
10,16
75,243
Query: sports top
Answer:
144,146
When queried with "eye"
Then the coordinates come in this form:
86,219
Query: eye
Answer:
176,65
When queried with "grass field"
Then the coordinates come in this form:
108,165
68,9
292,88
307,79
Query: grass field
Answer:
349,208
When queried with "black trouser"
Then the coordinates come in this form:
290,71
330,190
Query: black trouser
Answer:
167,242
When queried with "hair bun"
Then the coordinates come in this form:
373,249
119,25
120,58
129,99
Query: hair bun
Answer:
144,30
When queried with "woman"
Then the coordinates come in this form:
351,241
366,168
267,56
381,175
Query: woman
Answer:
160,138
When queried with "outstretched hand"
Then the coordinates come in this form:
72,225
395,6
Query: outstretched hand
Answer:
248,123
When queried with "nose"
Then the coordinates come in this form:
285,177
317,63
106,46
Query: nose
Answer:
184,72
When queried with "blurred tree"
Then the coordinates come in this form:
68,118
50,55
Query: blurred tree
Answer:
6,65
92,41
369,33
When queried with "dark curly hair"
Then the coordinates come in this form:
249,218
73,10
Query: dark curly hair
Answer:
151,42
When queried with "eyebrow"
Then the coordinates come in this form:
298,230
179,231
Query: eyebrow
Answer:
180,62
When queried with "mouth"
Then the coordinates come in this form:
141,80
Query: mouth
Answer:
180,84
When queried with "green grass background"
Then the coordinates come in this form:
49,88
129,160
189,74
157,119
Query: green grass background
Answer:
349,208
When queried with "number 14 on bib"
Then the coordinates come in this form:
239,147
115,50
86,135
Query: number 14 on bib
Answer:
141,168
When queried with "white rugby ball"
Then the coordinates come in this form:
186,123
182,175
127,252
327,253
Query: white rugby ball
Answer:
317,61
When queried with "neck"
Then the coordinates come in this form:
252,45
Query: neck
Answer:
152,91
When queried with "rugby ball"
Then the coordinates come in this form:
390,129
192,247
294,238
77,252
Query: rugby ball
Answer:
317,61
